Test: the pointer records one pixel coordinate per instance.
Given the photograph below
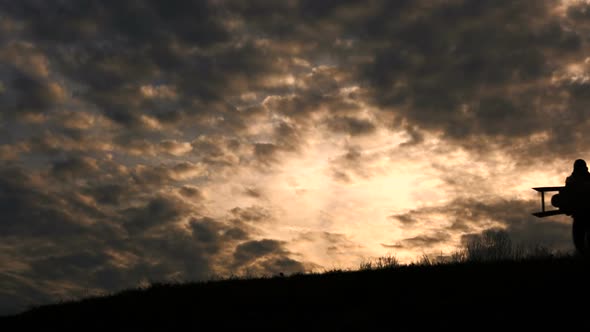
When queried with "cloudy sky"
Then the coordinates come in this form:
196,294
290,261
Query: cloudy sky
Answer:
156,140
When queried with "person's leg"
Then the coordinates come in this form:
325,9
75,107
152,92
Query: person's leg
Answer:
581,234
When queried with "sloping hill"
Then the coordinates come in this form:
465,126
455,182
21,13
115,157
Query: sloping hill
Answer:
531,294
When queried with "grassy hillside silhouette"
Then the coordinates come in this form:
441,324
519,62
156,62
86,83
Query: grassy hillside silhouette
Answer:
488,286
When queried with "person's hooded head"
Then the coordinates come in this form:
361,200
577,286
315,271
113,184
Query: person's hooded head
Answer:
580,166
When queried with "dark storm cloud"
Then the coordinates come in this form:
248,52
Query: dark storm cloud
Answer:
253,192
158,211
351,162
77,167
474,69
108,194
148,67
266,256
404,219
416,136
354,163
27,209
208,148
251,250
159,175
426,62
282,265
95,260
23,93
250,213
75,22
191,192
69,265
174,147
216,151
266,153
26,86
333,243
89,239
52,144
117,262
421,241
295,107
208,232
300,108
351,126
287,136
579,11
393,246
17,294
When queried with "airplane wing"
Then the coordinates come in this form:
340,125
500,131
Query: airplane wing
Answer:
545,189
544,213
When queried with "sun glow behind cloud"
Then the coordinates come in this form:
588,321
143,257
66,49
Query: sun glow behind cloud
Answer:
304,195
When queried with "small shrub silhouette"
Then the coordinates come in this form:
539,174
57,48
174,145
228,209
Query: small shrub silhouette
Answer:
491,245
389,261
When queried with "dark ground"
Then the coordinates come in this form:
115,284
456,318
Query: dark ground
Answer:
547,294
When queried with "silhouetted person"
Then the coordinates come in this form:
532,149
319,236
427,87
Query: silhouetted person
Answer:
580,178
577,188
577,194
